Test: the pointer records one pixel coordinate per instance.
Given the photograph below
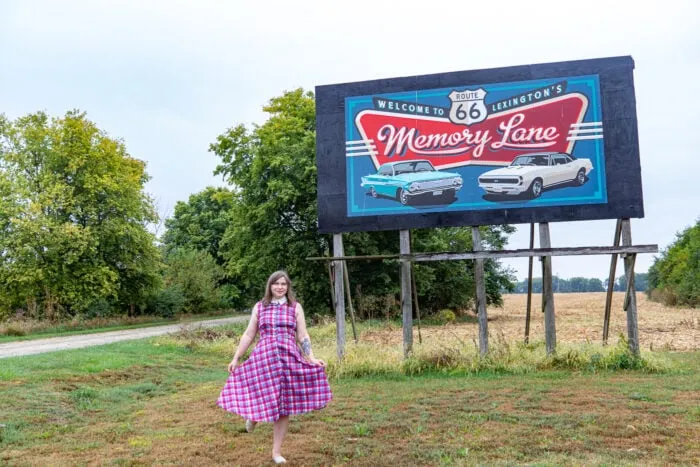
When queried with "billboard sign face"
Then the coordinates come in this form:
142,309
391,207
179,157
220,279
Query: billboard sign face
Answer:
475,152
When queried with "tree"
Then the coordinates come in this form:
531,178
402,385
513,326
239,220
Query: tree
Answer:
195,274
674,277
200,223
640,282
595,285
273,222
73,218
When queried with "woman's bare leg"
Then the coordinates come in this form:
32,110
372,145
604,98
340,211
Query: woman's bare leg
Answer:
280,430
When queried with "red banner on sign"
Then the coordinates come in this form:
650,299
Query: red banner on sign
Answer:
543,126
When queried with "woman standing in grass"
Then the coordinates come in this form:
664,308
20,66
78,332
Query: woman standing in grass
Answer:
277,380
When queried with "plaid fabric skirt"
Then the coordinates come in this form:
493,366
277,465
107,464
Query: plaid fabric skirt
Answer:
276,380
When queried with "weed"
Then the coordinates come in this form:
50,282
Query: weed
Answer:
362,429
84,398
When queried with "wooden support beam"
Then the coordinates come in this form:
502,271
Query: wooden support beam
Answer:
339,297
550,330
347,290
480,294
529,285
630,294
545,252
495,254
415,293
332,286
611,283
406,298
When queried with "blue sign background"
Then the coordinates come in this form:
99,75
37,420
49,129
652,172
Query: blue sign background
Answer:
471,196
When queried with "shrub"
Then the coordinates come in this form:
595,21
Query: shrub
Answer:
168,302
445,316
378,306
98,309
14,330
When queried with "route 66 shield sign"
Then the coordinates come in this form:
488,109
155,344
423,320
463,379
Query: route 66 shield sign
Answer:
468,106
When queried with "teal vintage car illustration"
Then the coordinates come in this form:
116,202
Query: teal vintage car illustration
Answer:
406,180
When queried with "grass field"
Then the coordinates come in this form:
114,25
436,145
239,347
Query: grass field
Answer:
151,402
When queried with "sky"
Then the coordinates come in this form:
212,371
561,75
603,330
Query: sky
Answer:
168,77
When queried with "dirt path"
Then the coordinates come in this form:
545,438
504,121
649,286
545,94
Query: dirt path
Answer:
52,344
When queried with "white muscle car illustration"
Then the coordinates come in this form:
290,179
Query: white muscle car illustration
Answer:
534,172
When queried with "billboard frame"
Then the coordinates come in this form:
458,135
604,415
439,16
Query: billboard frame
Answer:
622,165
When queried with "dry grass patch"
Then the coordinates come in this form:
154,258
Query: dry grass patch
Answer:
579,319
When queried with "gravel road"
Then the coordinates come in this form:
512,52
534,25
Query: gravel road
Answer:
52,344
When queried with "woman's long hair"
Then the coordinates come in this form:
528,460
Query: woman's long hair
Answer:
268,288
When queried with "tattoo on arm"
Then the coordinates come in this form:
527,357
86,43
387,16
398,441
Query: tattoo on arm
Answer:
306,346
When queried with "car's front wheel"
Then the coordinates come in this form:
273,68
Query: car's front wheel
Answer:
402,196
581,177
536,188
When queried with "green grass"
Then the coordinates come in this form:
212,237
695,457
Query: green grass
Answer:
151,402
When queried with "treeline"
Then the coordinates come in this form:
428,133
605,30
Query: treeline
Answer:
76,228
674,278
76,231
583,284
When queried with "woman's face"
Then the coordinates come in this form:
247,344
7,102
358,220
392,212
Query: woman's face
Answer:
279,288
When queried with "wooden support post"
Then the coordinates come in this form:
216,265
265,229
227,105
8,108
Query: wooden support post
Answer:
339,297
543,299
406,308
529,285
480,294
550,330
332,286
415,301
415,291
347,290
611,283
630,294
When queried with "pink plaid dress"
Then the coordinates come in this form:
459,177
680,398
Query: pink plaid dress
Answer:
275,380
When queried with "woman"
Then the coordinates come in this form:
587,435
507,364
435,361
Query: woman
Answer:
277,380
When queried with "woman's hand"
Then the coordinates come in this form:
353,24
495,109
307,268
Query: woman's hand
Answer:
316,361
232,366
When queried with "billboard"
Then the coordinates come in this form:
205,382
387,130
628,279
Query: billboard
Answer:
538,143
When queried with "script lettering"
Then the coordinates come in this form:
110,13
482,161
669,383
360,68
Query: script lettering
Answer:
513,135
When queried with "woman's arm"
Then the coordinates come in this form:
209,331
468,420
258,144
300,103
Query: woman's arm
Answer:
304,339
246,339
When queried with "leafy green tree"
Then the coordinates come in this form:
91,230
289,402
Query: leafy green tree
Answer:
674,278
196,275
595,285
273,222
200,223
450,284
73,218
578,284
640,282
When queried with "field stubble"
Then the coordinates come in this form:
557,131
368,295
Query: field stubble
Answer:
579,319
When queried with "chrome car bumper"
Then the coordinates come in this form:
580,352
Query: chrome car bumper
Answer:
436,190
508,189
